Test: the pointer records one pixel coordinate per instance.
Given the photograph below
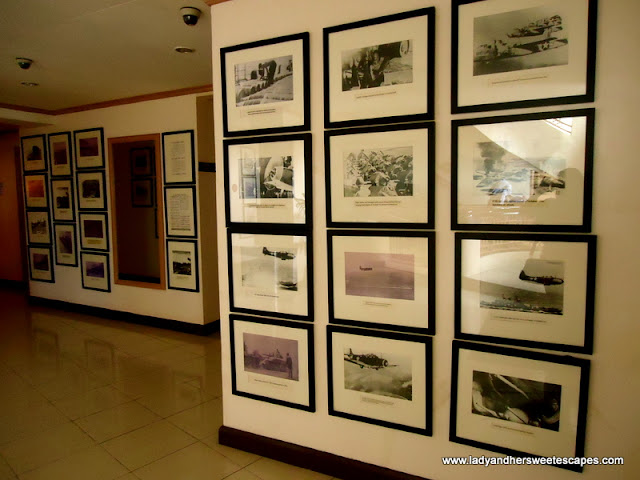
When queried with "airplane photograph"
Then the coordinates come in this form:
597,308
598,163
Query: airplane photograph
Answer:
368,360
267,269
378,373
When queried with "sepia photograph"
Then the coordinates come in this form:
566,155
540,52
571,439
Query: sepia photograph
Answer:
383,275
264,81
378,373
33,153
60,153
269,269
65,235
93,228
94,234
94,269
63,205
181,262
38,228
35,188
272,356
380,172
64,241
36,191
91,190
273,178
377,65
40,264
88,147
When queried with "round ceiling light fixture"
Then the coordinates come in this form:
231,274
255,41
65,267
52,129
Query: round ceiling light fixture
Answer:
29,84
184,50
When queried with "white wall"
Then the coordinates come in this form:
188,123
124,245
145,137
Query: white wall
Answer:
156,116
613,425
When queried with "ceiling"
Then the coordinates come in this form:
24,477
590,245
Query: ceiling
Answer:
90,51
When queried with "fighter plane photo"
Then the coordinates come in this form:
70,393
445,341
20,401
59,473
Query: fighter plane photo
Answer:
280,255
546,280
368,360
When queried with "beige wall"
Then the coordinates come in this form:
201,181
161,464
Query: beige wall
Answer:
11,266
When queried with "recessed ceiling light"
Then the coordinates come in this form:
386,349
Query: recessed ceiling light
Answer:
184,50
29,84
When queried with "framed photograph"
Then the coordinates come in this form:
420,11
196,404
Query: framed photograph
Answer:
34,153
532,290
382,279
62,200
89,148
180,211
268,180
272,361
41,265
142,162
60,154
270,274
95,271
382,175
380,70
182,265
91,192
518,402
382,378
528,172
36,191
66,251
265,86
94,231
522,53
142,192
38,226
178,157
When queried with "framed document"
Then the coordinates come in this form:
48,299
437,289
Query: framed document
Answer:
178,157
60,154
66,251
382,279
36,191
95,271
62,200
180,211
91,192
94,231
382,378
522,53
381,175
34,153
265,86
89,148
272,361
268,180
182,264
519,402
41,265
380,70
528,172
38,226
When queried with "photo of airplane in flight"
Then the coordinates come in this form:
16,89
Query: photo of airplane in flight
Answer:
280,255
368,360
546,280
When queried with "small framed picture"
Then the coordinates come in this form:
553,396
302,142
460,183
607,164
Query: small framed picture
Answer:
62,200
532,290
528,172
89,148
91,191
180,211
36,191
382,378
178,155
41,265
94,231
95,271
272,361
38,226
142,192
60,154
268,181
382,175
382,279
66,251
34,153
182,265
380,70
265,86
270,274
522,53
142,162
519,402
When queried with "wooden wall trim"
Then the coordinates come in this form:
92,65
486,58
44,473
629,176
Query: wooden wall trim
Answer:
21,108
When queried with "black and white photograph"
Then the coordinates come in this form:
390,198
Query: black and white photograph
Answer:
63,201
182,265
380,70
34,154
95,271
387,172
272,361
36,191
91,190
41,264
38,227
381,275
94,231
263,268
66,251
382,378
274,180
264,81
518,402
89,148
60,154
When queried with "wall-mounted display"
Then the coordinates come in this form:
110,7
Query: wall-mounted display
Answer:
529,172
91,192
382,175
38,227
36,191
62,200
268,180
382,279
95,271
142,192
270,274
178,157
522,53
41,264
34,153
265,86
142,162
182,265
89,148
380,70
66,251
382,378
518,402
94,231
60,154
180,211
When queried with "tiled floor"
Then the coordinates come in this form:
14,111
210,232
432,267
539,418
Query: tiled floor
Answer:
87,398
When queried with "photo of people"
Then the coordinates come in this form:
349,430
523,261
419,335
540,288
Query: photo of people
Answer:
264,81
272,356
382,275
378,373
272,178
379,172
377,66
35,153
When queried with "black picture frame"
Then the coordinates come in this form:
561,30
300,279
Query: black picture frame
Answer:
233,202
57,217
380,112
583,74
349,306
195,269
32,191
142,162
74,244
303,117
103,245
184,176
468,422
63,171
45,259
533,216
36,159
340,405
424,205
91,155
43,216
90,202
146,201
191,233
305,332
105,285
